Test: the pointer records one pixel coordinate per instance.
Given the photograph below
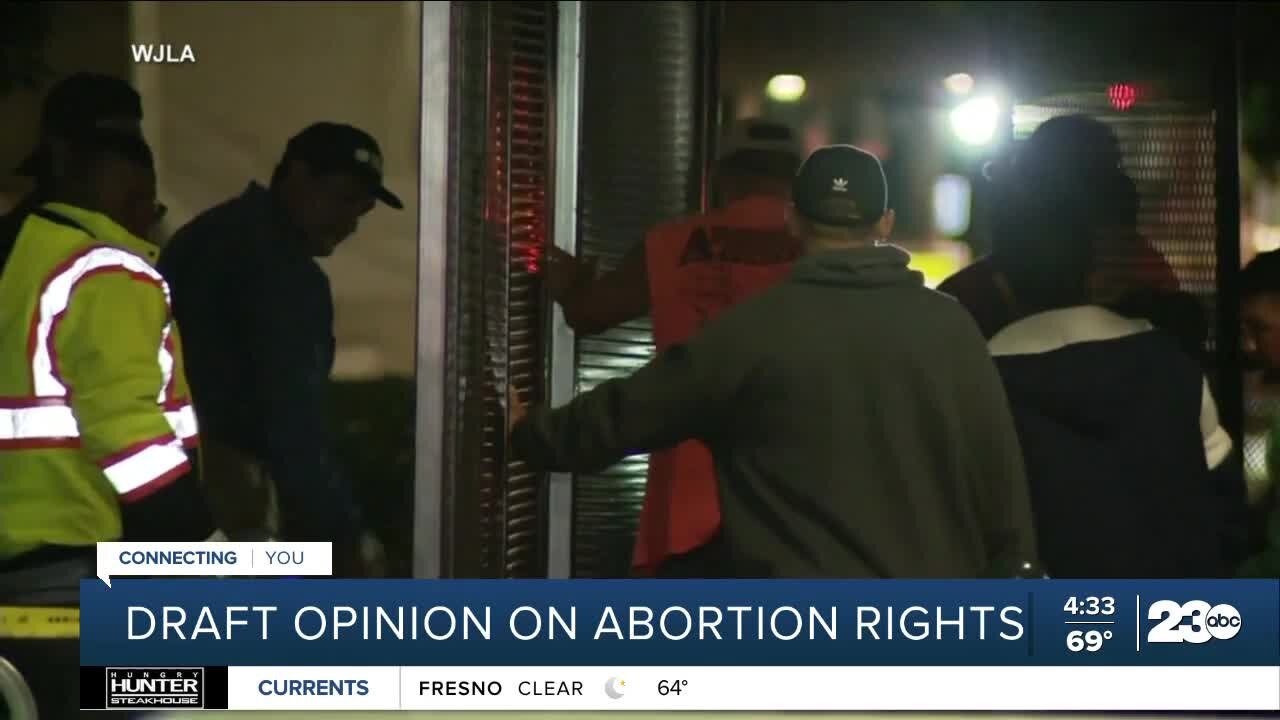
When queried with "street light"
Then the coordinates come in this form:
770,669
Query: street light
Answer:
975,121
952,204
959,84
785,88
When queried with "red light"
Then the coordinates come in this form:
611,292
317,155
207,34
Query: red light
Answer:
533,257
1122,96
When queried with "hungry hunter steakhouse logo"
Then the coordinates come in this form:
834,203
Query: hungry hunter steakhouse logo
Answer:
155,687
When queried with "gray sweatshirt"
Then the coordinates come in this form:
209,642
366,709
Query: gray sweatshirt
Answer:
857,422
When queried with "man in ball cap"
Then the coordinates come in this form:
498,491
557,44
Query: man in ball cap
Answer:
257,318
857,423
98,440
1108,405
1071,165
685,272
78,104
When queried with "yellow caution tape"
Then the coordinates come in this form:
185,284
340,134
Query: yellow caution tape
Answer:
39,623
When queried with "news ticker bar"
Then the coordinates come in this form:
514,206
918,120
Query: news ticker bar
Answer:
684,688
585,623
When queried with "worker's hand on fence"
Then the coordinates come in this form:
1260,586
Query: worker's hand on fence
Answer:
563,273
360,557
516,409
373,557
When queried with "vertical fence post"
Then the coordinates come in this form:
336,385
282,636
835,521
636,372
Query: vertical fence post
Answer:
433,232
1227,146
568,99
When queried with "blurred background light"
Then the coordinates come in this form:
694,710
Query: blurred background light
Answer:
935,265
816,135
785,88
959,84
1266,238
1122,96
952,203
974,121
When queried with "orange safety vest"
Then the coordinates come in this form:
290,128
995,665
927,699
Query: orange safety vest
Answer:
698,267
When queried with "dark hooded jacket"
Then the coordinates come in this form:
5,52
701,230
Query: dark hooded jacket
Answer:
1131,473
857,422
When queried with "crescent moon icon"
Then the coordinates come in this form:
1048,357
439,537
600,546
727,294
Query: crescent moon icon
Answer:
611,688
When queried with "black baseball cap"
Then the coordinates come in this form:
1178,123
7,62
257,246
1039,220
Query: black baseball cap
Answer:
1076,145
331,147
85,104
841,185
1069,168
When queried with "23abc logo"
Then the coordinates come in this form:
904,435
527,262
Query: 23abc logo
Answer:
1193,622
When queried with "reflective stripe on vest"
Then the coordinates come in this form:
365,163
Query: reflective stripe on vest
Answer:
145,465
29,422
56,296
46,420
52,420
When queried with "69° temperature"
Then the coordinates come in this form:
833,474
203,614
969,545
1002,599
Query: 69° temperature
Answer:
1087,640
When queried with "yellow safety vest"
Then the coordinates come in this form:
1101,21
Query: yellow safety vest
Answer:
94,405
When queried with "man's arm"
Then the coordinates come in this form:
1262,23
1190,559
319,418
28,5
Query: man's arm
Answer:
679,395
315,499
1226,478
108,348
1217,442
592,304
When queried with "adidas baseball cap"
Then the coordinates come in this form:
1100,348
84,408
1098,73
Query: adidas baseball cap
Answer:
841,185
754,134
